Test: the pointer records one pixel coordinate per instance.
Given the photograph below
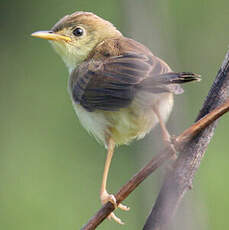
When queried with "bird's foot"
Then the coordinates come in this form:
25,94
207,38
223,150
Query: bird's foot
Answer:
170,141
106,197
173,144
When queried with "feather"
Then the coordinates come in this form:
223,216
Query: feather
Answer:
111,83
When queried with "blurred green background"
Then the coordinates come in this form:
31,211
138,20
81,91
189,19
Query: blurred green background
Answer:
50,168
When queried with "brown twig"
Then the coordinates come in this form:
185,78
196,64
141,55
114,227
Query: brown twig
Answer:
186,137
180,178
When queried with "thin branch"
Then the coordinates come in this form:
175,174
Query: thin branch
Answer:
185,138
180,178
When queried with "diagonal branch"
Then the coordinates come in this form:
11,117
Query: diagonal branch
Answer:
159,216
180,179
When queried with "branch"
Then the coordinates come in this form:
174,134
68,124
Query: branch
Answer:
180,179
187,138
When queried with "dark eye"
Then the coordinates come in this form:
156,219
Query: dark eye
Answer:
78,32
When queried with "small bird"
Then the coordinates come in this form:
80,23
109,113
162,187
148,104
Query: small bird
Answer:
119,89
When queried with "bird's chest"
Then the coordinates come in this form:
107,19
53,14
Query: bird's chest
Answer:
94,122
120,125
125,124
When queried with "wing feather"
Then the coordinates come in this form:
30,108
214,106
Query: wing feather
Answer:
112,83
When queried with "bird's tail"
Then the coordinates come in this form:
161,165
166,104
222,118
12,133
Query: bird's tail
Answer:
177,78
168,82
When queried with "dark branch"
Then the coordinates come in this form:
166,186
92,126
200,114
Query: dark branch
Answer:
187,138
180,179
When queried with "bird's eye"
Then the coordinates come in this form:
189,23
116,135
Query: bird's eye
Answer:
78,32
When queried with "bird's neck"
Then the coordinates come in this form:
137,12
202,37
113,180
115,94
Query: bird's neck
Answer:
73,60
72,56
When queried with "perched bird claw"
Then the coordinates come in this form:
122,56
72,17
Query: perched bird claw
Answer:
173,140
115,218
106,197
172,145
123,207
170,141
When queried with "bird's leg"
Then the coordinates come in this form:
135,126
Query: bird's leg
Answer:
104,195
165,133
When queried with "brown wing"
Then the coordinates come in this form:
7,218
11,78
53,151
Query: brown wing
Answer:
111,84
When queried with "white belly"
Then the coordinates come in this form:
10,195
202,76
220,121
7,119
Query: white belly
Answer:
126,124
94,122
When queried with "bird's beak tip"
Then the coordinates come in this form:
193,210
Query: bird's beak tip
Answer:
49,35
43,34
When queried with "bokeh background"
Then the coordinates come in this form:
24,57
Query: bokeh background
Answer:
50,168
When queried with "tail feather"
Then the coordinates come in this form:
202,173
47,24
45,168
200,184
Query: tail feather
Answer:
168,82
177,78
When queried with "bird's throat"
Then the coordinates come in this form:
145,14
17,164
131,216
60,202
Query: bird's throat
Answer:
71,55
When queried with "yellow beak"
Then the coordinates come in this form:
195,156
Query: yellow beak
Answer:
49,35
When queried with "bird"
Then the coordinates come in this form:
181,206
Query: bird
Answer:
119,89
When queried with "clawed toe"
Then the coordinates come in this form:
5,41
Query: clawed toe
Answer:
123,207
115,218
106,197
170,141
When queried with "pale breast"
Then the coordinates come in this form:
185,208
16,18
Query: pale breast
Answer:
94,122
128,123
139,118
